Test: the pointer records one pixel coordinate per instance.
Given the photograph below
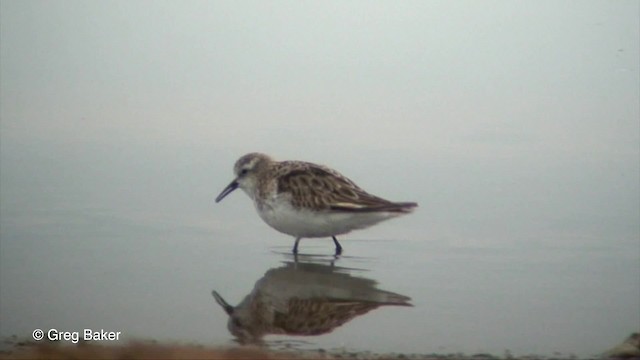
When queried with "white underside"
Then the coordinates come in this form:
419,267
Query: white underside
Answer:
280,215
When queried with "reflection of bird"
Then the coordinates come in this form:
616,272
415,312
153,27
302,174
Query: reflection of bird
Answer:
304,299
308,200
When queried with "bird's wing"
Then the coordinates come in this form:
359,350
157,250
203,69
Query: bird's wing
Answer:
319,316
315,186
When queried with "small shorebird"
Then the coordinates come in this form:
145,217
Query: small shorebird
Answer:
307,200
304,299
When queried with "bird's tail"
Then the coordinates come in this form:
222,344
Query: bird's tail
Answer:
380,206
401,207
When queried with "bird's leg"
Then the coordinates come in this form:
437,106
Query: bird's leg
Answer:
295,246
338,247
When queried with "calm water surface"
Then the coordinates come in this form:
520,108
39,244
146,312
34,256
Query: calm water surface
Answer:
146,263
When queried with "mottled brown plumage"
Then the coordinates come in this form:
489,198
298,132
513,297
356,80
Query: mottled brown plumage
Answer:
320,188
309,200
304,299
319,316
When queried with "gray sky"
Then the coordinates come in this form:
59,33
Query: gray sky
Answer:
433,76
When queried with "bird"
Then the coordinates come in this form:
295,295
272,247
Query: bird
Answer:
307,200
304,299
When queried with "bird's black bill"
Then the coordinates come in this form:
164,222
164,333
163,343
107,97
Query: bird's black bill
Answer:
227,190
227,308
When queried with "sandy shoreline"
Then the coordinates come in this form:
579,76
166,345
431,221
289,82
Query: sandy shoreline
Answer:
15,348
150,350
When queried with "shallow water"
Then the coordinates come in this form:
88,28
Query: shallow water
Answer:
148,272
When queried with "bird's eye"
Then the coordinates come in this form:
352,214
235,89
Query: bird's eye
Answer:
244,172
